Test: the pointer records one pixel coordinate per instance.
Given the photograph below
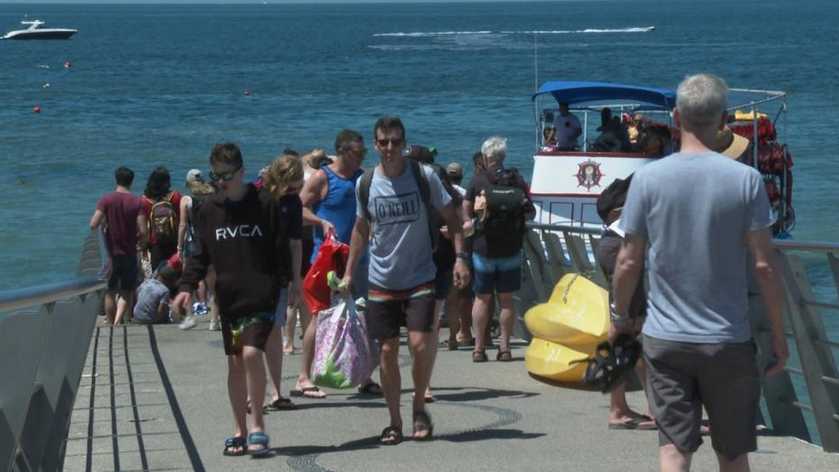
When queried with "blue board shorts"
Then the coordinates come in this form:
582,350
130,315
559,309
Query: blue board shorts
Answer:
501,275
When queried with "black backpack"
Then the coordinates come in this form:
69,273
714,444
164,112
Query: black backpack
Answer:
502,218
612,197
421,179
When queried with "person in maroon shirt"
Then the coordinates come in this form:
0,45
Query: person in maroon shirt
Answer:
125,228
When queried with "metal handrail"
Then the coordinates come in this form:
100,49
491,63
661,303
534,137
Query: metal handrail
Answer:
11,300
565,228
785,245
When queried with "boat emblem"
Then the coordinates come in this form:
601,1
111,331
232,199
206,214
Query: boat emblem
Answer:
589,174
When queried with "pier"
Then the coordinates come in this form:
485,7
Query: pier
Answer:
87,397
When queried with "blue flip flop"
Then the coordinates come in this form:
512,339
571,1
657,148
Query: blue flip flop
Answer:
259,439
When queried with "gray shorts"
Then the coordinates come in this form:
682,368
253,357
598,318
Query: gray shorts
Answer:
682,377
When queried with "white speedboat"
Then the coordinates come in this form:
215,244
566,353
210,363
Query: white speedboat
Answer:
34,32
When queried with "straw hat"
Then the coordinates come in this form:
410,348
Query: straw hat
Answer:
730,144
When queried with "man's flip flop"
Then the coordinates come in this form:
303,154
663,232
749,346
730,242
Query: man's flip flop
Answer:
282,404
233,443
635,423
391,436
259,439
305,391
371,388
422,423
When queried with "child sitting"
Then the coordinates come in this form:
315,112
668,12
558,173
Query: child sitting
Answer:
153,298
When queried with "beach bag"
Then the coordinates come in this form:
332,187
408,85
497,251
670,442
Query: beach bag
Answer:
332,256
145,265
345,356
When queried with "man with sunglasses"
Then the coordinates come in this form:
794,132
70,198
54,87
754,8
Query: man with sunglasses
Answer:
328,198
402,271
244,235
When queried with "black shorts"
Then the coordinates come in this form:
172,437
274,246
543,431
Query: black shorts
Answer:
682,377
388,310
607,256
253,330
124,272
308,249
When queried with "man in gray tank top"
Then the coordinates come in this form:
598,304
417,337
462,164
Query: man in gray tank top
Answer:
698,211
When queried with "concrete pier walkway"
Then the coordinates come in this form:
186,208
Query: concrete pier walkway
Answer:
155,398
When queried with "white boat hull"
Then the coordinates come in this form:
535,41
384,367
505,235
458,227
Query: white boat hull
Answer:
565,185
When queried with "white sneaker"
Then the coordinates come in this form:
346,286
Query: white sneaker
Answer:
215,326
187,323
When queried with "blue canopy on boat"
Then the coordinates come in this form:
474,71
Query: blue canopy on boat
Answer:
574,92
645,98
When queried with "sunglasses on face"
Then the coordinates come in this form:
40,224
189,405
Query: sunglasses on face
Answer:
223,176
395,142
359,152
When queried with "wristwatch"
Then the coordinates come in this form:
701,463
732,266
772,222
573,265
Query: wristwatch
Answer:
462,256
618,320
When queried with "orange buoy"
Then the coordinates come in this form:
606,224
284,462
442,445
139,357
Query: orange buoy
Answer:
36,109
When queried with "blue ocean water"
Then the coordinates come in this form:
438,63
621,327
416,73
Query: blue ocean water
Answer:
160,84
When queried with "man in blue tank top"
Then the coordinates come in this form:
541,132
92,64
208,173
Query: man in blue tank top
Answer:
329,205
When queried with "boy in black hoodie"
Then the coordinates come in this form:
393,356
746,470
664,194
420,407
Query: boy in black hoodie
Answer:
244,236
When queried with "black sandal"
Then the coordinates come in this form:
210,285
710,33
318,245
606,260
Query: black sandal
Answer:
612,363
422,422
391,436
235,442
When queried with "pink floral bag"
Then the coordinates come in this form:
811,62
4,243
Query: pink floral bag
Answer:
345,356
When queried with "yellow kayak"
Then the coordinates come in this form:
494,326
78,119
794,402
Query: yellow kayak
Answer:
555,362
577,313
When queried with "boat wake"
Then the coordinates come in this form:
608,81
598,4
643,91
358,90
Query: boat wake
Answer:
426,34
429,34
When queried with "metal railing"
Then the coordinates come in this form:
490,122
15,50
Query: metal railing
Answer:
551,251
45,334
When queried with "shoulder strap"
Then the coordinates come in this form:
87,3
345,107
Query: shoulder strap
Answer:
422,182
364,183
425,193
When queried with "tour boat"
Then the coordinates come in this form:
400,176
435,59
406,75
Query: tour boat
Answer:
566,183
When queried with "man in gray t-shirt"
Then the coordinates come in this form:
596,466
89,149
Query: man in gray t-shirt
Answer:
402,269
695,213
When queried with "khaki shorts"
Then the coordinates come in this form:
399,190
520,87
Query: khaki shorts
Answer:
684,377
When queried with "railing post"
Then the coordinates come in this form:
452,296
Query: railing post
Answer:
815,355
778,390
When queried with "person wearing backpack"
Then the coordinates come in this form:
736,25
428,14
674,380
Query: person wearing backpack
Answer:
162,207
395,200
500,201
199,191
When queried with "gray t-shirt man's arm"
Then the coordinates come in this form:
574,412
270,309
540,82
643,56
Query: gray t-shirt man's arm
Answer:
695,211
400,246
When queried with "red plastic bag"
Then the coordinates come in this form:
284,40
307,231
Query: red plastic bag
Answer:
332,255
